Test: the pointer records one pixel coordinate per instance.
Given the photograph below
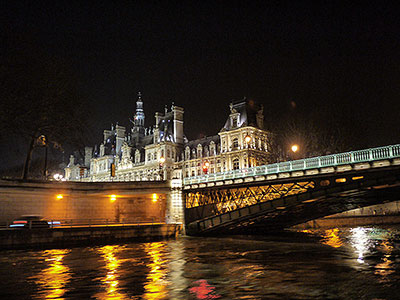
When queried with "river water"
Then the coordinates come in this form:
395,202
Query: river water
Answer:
351,263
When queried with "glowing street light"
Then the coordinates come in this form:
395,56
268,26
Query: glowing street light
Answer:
295,148
161,164
206,165
113,198
58,177
155,197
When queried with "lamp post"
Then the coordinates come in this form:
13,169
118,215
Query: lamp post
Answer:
247,139
161,165
294,150
43,142
206,165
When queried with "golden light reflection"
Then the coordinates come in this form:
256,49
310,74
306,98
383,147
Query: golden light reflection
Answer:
111,281
156,285
59,197
113,198
386,267
331,238
55,277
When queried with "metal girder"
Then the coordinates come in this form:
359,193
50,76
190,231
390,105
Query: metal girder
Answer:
237,209
226,199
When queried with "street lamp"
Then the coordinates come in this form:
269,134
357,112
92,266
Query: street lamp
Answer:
161,164
43,142
58,177
206,165
247,139
295,148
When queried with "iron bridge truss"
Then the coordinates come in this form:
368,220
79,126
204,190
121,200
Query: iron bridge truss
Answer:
222,200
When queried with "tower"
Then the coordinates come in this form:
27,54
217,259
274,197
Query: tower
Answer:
139,115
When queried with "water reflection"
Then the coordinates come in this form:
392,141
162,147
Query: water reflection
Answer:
386,267
53,279
360,241
331,238
177,260
156,285
111,280
203,290
284,267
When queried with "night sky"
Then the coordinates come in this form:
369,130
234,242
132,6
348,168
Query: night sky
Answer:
203,54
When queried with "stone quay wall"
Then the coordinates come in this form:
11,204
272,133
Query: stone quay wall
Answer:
81,236
125,202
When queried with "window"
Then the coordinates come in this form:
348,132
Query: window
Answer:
235,144
187,153
235,164
199,150
212,148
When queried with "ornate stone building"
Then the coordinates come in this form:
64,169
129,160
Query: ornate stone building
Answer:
162,151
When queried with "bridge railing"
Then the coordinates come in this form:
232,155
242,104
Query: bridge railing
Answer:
332,160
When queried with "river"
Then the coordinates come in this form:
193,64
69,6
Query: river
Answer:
339,263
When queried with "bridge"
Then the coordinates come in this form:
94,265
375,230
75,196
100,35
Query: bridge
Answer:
280,195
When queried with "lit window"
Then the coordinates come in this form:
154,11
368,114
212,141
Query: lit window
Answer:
236,164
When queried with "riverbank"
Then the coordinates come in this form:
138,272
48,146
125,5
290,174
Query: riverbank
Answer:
82,236
350,221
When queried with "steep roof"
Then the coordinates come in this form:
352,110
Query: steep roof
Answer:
247,110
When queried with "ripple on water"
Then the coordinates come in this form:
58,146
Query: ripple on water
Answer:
354,263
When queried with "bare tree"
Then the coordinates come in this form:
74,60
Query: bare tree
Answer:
40,102
321,131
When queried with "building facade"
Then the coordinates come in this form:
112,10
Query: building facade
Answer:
162,152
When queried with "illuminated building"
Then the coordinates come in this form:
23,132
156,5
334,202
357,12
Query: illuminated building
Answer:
163,152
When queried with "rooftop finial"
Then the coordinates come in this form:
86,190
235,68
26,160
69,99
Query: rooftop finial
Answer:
139,96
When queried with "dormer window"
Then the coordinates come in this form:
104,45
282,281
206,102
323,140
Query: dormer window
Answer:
187,153
199,150
234,120
212,148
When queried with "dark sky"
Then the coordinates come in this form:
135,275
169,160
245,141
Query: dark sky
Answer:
203,54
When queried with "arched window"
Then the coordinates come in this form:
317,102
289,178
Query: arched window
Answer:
235,144
235,163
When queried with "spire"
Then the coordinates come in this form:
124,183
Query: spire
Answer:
139,115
